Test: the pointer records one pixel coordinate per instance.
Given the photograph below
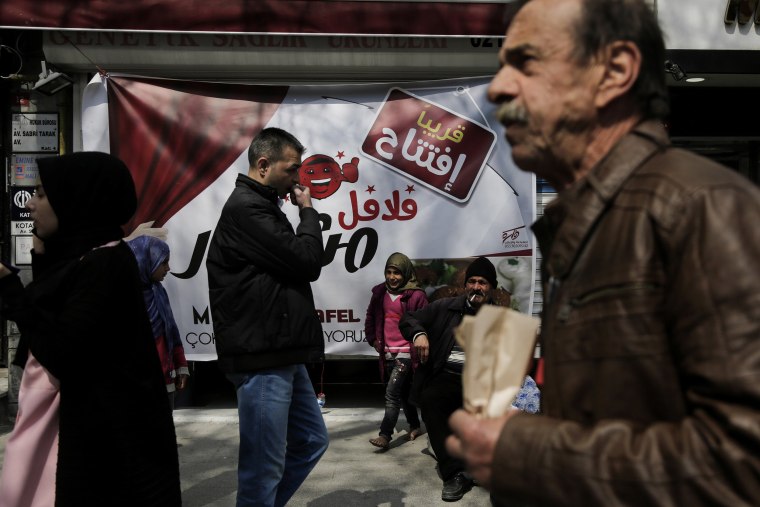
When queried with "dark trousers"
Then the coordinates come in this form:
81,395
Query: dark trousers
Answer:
440,397
399,375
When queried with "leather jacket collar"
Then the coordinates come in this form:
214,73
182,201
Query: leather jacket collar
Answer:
577,208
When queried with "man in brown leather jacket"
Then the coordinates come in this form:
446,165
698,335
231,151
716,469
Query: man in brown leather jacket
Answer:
651,277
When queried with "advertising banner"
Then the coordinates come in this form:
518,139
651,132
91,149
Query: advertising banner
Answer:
420,168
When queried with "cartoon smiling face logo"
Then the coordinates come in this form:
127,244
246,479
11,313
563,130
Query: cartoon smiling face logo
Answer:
323,175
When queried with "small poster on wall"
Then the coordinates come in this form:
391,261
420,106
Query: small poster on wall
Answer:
22,251
24,168
35,133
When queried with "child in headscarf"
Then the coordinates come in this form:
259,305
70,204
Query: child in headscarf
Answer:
93,425
399,293
152,256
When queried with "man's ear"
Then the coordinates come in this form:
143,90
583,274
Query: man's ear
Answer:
622,63
262,166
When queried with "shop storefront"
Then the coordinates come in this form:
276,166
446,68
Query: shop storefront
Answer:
308,50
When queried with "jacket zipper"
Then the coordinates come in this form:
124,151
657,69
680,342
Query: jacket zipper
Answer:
564,312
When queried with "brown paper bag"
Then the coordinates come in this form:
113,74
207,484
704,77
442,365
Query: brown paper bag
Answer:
498,344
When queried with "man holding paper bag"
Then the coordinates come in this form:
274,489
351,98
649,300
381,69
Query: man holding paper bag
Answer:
651,260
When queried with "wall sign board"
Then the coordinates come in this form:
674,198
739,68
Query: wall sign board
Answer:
35,133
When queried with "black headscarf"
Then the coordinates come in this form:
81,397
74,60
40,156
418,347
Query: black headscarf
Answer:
92,194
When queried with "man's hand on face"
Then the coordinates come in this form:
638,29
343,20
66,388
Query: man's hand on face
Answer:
301,196
474,441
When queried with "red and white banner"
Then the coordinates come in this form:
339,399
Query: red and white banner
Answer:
420,168
450,18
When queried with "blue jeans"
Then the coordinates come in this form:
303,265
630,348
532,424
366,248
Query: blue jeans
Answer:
399,375
282,434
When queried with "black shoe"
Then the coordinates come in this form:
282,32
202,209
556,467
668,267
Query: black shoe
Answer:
455,488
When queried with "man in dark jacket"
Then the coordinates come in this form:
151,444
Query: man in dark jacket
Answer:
437,384
651,260
265,324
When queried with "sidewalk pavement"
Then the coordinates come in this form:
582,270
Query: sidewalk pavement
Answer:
352,473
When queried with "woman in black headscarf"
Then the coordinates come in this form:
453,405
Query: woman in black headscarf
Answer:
84,329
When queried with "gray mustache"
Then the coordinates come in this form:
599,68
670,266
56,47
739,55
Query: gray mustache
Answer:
512,112
474,293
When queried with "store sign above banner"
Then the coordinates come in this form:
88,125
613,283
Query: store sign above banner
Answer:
289,57
429,144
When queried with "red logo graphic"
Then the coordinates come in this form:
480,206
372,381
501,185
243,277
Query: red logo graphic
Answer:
323,175
429,144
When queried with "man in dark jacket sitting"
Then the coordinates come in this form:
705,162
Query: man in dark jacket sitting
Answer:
437,384
265,324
